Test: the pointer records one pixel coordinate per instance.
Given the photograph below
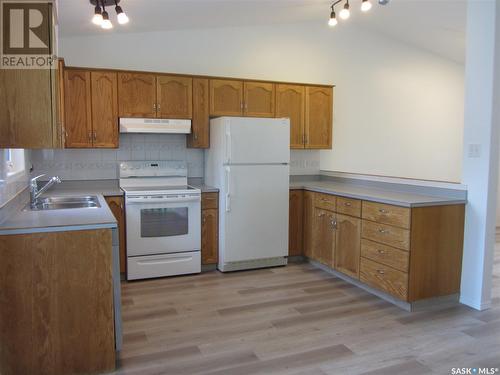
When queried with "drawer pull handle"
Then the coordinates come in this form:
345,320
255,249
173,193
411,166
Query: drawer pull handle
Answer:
321,214
381,252
382,272
383,231
348,204
382,211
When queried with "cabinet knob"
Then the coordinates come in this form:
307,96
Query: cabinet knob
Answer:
382,272
158,107
195,136
382,211
381,252
348,204
95,136
90,136
154,107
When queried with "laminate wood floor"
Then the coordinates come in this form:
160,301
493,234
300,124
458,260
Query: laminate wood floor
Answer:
295,320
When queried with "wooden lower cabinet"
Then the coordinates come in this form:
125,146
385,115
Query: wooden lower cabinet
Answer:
117,207
210,228
348,245
418,257
295,223
56,303
308,223
323,236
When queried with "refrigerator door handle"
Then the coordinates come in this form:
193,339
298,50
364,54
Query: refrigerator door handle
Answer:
228,146
228,189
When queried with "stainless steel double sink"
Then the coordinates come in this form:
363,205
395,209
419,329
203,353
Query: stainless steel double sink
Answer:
61,203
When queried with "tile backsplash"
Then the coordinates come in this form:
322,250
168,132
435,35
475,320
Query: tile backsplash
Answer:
95,164
304,162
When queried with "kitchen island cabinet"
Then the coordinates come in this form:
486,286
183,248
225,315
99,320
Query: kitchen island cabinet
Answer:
56,303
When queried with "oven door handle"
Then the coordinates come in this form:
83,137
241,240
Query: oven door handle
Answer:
162,200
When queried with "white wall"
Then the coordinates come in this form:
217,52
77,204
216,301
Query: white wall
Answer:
10,186
398,109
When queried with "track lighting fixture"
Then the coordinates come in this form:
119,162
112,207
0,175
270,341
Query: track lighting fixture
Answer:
366,5
333,19
101,16
345,13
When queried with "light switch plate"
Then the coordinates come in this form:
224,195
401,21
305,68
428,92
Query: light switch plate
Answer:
474,150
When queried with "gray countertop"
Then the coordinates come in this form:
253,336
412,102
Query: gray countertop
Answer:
21,221
405,199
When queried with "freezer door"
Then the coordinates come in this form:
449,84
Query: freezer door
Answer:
254,213
256,140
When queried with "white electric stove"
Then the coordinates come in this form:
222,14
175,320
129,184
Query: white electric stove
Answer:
163,219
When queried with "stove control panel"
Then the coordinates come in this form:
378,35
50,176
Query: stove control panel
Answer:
153,169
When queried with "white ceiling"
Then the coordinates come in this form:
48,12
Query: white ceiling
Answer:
436,25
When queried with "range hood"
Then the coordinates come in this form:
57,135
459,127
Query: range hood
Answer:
154,125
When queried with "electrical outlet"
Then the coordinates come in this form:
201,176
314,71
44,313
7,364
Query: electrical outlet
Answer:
474,150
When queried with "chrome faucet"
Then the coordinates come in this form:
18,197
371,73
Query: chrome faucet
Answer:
35,192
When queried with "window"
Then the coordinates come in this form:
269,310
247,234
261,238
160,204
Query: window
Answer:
15,161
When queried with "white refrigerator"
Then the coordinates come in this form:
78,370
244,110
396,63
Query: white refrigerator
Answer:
248,161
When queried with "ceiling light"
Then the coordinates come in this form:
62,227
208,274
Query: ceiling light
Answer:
122,17
345,13
106,23
366,5
97,19
333,19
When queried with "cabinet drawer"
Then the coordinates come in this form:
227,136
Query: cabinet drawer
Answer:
387,214
384,254
386,234
384,278
325,201
209,200
349,206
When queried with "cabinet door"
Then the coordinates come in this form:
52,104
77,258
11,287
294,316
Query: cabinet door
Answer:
291,103
104,109
323,236
200,125
319,114
174,97
348,243
209,236
77,107
259,99
136,95
118,209
308,223
226,97
295,223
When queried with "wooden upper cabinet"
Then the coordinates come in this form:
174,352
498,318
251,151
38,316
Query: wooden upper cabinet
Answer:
226,97
348,245
104,109
291,103
78,109
319,115
136,95
200,125
295,223
259,99
174,97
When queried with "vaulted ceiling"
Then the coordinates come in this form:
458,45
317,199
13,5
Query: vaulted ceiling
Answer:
435,25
